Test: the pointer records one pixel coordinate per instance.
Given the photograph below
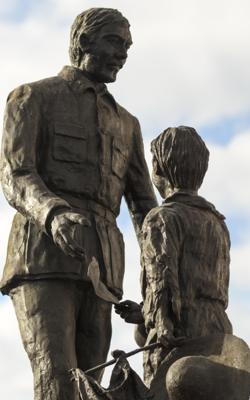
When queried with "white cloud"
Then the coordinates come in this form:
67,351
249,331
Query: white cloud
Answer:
227,181
15,372
240,266
6,216
238,313
6,7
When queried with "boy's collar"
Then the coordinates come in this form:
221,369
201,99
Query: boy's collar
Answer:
193,200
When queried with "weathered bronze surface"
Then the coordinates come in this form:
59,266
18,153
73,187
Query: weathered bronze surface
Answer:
185,278
70,152
208,367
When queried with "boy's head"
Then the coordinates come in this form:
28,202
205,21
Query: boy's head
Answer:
180,160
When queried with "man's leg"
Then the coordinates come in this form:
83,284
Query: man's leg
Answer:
93,332
45,310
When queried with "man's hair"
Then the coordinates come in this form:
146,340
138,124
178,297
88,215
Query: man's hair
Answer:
182,157
89,22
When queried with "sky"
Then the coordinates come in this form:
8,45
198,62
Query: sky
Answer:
189,65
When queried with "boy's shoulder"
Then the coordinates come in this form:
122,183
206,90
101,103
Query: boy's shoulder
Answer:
182,209
161,214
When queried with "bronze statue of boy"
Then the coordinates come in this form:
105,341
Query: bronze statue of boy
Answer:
70,152
184,281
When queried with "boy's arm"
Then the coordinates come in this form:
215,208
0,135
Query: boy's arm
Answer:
160,254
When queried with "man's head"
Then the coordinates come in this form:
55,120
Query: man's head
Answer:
99,41
180,160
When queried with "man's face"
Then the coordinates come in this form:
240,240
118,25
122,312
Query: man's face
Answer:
106,52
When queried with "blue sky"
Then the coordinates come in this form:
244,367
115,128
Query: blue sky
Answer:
189,65
16,11
222,131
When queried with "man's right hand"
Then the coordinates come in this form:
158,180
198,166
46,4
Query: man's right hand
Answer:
62,232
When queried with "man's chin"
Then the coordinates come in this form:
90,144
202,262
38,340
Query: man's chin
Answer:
107,75
108,78
101,76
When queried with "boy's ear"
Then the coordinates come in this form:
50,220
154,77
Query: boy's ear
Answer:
157,169
84,42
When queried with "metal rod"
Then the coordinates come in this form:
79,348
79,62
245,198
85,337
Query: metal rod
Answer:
126,355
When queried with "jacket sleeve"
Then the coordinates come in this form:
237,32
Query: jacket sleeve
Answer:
139,192
160,285
23,187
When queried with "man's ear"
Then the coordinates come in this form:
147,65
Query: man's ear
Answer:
84,42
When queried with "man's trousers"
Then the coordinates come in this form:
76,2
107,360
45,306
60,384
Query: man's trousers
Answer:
63,325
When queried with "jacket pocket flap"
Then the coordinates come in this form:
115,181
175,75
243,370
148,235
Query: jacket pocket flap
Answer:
120,146
70,130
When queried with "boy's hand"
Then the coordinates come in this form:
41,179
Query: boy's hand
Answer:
130,312
167,339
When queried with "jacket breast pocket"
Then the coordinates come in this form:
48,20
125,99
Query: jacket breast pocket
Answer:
119,158
70,143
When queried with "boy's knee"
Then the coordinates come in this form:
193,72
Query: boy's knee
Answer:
188,378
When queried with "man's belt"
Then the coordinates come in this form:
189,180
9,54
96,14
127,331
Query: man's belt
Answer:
90,206
98,209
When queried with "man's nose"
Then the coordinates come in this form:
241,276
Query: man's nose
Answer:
122,53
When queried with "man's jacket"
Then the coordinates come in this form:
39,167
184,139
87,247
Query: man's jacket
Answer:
67,143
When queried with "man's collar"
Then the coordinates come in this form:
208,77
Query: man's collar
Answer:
79,82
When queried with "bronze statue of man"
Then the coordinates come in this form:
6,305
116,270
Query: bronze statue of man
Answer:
70,153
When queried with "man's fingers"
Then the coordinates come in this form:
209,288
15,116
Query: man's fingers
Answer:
78,219
63,246
68,245
63,232
84,221
72,244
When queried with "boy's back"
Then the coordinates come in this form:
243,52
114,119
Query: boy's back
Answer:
186,265
185,273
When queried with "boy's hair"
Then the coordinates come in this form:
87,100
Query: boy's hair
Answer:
182,157
89,22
